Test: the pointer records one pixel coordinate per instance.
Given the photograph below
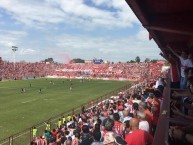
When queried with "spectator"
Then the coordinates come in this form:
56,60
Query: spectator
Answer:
97,137
181,136
137,136
68,142
118,126
126,115
144,108
86,137
155,109
185,62
143,124
76,140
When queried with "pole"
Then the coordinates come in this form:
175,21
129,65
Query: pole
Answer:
14,49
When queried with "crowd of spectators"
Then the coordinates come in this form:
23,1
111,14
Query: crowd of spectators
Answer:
127,71
115,71
23,70
181,130
130,118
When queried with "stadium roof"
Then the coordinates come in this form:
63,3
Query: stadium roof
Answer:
169,22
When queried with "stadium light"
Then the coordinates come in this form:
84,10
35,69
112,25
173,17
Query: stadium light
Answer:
14,49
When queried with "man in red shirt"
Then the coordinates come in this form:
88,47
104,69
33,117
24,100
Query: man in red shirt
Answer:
137,136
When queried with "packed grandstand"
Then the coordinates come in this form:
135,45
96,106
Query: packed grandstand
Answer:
115,71
113,121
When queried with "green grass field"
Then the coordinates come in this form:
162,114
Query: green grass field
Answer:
19,111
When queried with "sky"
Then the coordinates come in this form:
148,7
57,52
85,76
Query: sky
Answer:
67,29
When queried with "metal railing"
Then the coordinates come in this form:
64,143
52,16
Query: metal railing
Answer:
25,137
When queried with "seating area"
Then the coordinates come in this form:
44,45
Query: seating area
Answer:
116,71
117,120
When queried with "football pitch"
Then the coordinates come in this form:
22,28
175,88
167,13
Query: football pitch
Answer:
24,103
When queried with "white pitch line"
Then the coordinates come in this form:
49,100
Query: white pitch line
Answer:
29,101
48,99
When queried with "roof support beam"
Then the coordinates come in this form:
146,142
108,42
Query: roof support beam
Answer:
169,29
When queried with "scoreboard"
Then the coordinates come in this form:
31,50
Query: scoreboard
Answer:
97,61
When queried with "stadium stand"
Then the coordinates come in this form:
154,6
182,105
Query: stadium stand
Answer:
120,119
116,71
107,121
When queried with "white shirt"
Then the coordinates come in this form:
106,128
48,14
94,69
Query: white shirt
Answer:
136,101
158,83
185,63
126,118
144,125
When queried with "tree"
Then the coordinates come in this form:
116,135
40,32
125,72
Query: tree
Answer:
154,60
147,60
77,60
49,60
137,59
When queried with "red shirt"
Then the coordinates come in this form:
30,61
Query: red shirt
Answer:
117,128
156,104
139,137
54,133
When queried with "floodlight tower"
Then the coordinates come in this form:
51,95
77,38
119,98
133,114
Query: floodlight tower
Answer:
14,49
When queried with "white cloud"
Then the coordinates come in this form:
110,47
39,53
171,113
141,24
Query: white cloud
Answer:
143,34
109,48
65,47
41,13
10,38
62,44
27,51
